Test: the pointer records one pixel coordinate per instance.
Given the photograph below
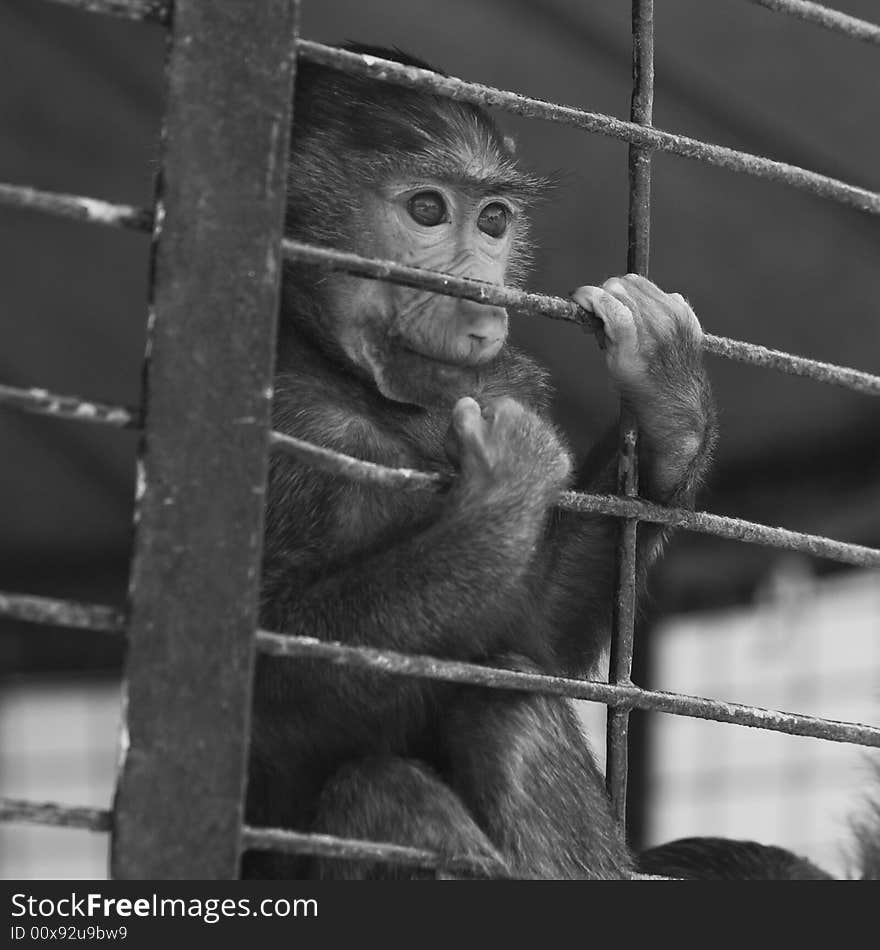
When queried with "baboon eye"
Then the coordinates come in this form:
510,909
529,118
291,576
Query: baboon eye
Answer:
493,219
427,208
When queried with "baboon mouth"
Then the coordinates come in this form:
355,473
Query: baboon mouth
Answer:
464,364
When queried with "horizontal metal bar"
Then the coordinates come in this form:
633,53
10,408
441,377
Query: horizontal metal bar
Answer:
556,308
62,613
160,11
355,849
98,617
681,145
824,16
355,469
453,88
614,505
51,813
358,849
735,529
816,370
92,210
150,11
559,308
43,402
454,671
95,617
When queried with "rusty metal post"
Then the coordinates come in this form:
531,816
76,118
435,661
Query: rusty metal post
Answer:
202,471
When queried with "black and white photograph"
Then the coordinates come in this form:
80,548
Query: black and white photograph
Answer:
437,442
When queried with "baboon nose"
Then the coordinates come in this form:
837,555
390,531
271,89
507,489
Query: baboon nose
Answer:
482,329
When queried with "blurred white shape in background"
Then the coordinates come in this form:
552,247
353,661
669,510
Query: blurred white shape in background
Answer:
808,645
58,742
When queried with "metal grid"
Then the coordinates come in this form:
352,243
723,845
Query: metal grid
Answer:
177,636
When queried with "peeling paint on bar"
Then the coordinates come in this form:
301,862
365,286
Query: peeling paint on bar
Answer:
356,849
62,613
356,469
681,145
52,813
149,11
454,671
158,219
816,370
834,20
735,529
43,402
92,210
214,289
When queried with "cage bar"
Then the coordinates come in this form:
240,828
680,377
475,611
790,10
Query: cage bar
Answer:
751,353
644,136
393,662
42,402
638,255
92,210
455,671
55,814
559,308
150,11
62,613
831,19
623,622
356,849
95,211
420,278
737,529
160,11
196,566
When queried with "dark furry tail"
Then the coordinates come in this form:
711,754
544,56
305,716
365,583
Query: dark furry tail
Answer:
866,834
723,859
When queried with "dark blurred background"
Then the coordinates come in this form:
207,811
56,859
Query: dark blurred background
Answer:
80,111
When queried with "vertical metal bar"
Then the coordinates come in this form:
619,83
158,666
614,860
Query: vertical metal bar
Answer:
201,477
637,262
